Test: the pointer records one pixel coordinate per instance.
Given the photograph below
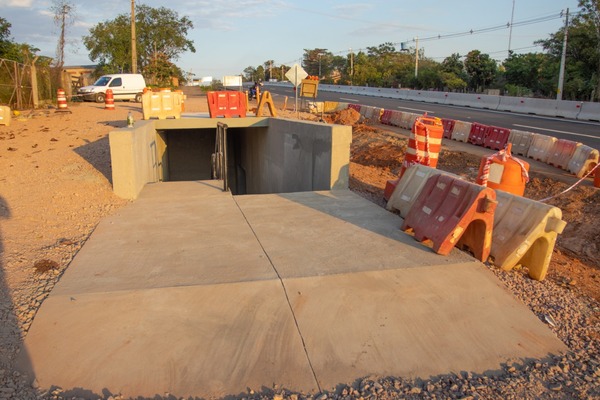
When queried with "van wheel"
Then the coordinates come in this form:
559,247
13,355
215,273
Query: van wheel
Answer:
138,98
100,98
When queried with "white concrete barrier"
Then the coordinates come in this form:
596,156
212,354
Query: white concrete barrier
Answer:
568,109
585,111
589,112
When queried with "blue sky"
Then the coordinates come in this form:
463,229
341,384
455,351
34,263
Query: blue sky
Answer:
232,35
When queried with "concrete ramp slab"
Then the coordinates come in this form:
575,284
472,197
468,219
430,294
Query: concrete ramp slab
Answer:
211,339
413,322
195,292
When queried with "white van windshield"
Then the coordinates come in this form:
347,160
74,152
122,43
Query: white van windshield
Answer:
103,81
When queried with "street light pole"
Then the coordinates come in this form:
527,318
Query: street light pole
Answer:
417,57
512,16
351,66
319,65
563,58
133,44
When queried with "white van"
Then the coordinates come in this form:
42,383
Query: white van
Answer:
123,86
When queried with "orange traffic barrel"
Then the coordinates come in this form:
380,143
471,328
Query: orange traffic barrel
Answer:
504,172
109,100
61,99
424,143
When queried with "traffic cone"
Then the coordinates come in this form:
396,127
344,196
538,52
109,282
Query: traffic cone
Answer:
109,101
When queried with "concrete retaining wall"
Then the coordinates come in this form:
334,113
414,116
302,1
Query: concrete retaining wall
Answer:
296,156
134,158
275,155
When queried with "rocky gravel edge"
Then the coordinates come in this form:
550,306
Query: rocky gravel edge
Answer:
574,318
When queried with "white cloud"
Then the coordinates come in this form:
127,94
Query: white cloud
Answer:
20,3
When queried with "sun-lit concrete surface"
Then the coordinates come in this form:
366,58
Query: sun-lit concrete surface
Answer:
195,292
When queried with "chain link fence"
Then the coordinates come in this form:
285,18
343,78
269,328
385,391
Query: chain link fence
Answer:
16,85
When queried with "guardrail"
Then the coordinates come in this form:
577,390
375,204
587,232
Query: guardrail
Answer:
585,111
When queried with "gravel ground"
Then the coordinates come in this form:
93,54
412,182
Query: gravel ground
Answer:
572,316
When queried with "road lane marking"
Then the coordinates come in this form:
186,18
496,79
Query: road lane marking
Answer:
555,131
344,98
416,109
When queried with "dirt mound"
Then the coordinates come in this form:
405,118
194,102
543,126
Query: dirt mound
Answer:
348,116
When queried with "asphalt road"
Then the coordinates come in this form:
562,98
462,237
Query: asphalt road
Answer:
579,131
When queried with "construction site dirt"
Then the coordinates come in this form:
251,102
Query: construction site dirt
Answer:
55,186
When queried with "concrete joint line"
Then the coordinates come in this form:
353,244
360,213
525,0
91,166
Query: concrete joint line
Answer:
287,298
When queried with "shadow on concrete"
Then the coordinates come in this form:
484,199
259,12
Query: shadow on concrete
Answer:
10,331
98,155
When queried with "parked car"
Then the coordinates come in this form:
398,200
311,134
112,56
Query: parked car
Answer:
123,86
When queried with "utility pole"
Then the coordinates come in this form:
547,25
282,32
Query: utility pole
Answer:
512,16
417,57
563,58
351,66
133,44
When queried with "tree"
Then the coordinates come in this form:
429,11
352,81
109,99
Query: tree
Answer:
64,16
481,69
5,42
161,36
591,18
317,62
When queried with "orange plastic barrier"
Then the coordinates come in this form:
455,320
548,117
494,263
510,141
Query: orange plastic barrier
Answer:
503,171
477,134
448,127
109,100
386,117
226,104
561,153
453,212
424,143
495,137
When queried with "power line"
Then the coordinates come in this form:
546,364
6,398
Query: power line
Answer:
470,32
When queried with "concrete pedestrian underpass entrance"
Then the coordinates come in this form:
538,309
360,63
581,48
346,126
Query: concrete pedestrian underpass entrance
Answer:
193,291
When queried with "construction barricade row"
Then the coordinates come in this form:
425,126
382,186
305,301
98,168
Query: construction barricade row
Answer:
452,212
541,146
525,232
561,153
520,140
584,159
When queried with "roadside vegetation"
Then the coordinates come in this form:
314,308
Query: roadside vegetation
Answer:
525,74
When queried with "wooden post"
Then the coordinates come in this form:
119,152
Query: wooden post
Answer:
34,84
